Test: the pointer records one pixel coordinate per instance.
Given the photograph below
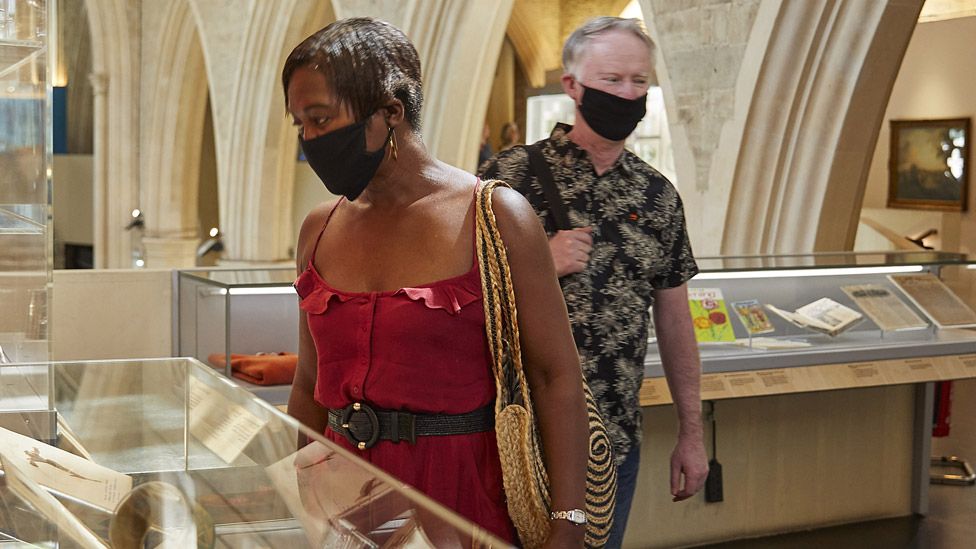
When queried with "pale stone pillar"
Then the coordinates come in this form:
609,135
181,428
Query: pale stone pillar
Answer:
534,31
700,50
174,93
458,43
774,108
170,253
245,43
115,57
100,241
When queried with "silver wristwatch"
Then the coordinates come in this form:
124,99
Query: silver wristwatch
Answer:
576,516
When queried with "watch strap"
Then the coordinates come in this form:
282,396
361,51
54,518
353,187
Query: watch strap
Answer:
576,516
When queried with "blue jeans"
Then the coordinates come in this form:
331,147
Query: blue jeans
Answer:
626,483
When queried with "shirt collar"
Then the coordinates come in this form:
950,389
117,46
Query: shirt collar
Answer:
566,149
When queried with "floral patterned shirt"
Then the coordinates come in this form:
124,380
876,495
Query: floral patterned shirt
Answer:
640,244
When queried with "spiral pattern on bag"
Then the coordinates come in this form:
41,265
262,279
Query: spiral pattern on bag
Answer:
519,448
601,477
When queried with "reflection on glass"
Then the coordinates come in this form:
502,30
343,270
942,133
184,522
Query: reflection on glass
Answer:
25,250
827,260
244,277
210,462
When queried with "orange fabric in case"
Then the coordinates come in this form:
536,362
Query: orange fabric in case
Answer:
260,369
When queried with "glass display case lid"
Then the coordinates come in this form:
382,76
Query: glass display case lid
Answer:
243,278
830,260
167,453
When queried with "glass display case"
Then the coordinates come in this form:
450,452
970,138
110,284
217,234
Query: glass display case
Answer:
226,312
25,191
896,322
168,453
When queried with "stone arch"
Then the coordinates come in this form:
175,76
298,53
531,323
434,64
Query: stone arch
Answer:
774,109
115,84
175,94
458,44
815,114
245,43
533,32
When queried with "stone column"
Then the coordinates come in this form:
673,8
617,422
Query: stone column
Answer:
174,95
100,239
774,108
115,56
458,42
170,253
245,44
700,50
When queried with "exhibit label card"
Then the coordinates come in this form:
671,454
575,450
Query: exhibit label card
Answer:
221,425
709,315
65,472
17,480
935,299
753,316
884,307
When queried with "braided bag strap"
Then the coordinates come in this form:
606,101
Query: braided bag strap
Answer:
500,313
519,449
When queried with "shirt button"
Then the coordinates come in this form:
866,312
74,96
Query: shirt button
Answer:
362,361
355,389
363,328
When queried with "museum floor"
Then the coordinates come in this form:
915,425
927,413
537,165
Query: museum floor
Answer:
949,524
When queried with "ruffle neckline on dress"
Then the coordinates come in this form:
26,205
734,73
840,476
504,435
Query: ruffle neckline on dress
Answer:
450,294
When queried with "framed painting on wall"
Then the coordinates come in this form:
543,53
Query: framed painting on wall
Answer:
928,168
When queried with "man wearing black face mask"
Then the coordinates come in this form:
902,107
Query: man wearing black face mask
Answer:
618,240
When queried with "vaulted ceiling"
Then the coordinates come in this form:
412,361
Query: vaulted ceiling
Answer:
937,10
538,29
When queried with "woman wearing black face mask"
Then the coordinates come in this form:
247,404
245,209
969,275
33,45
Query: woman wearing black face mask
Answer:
391,298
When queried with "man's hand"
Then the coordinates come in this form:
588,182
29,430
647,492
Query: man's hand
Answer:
688,460
571,250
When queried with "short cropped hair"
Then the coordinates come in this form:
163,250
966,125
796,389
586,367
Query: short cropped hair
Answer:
577,42
367,62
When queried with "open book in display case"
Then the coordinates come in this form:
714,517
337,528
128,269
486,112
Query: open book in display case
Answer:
897,317
168,453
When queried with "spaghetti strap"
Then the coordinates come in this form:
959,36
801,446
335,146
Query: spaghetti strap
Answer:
315,248
474,220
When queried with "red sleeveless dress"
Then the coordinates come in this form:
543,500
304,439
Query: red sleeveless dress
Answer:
423,350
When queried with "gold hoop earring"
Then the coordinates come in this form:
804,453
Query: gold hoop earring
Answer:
393,144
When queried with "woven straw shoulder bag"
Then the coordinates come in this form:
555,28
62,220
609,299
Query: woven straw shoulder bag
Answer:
523,469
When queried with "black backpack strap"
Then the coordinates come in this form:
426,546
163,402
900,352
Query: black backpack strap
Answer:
539,167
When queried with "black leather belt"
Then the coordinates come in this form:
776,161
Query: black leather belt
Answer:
363,426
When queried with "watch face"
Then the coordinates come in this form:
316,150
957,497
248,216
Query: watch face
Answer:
577,516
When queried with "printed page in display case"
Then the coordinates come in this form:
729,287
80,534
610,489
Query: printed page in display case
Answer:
885,308
221,425
935,299
709,315
823,315
17,479
66,473
753,317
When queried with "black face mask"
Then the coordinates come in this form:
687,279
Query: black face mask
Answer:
610,116
341,160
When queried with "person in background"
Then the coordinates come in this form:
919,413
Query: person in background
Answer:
485,152
628,249
392,318
510,136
